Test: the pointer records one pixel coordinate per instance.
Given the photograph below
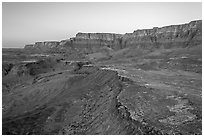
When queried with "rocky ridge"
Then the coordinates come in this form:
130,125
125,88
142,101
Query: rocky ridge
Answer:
165,37
100,101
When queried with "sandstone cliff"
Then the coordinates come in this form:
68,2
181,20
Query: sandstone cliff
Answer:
165,37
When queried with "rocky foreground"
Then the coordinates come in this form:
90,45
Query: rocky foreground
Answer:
119,100
148,82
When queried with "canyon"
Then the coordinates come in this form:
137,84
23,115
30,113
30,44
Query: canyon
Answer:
148,82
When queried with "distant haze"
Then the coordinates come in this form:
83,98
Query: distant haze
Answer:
26,23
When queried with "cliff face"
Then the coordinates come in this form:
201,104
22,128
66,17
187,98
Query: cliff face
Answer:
99,36
166,37
91,42
43,46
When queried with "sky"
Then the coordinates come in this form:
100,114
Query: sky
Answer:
26,23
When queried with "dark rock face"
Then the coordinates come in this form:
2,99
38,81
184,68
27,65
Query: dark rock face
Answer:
19,70
29,68
165,37
6,67
29,46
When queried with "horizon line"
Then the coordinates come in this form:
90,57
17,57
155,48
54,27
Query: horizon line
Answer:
107,33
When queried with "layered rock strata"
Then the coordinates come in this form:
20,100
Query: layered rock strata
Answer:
165,37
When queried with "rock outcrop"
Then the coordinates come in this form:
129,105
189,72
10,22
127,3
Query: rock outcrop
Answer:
28,46
165,37
94,41
43,46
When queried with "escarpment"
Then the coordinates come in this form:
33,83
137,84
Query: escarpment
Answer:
94,41
165,37
43,46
